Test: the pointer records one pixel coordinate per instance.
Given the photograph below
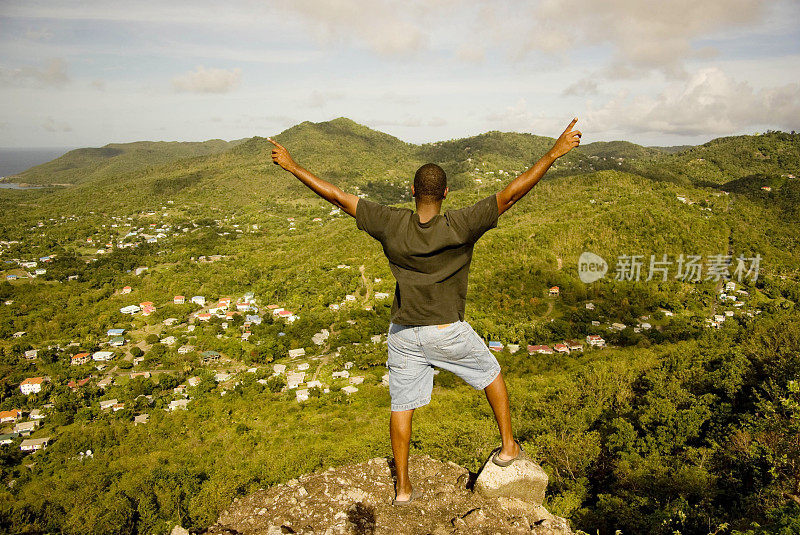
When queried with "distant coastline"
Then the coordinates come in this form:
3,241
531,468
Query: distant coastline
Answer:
16,160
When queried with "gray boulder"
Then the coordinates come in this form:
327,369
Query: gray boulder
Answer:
521,481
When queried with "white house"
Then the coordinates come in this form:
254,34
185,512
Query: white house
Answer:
102,356
130,309
279,368
349,389
301,394
199,300
108,403
293,380
31,385
33,444
178,404
344,374
295,353
595,340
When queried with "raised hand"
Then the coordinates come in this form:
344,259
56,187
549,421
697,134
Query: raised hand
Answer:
280,156
568,140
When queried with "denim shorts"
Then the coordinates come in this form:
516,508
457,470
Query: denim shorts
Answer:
415,350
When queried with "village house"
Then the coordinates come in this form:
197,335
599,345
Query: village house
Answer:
344,374
221,377
108,403
199,300
179,300
130,309
494,345
141,418
618,326
31,354
574,345
541,349
185,349
117,341
10,416
554,291
278,369
31,385
203,316
209,356
589,306
178,404
74,385
595,340
102,356
7,438
356,380
296,353
381,295
34,444
303,367
26,428
561,348
180,389
36,414
115,332
301,394
126,290
168,341
294,379
595,323
193,381
349,389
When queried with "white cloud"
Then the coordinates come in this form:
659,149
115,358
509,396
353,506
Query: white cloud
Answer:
386,27
643,36
585,86
318,99
54,73
709,103
518,118
51,125
203,80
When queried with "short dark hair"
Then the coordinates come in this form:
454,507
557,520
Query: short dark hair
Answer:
430,182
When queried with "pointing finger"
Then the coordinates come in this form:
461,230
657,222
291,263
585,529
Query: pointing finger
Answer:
274,142
575,120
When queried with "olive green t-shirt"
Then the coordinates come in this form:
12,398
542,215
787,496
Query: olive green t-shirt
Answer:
430,261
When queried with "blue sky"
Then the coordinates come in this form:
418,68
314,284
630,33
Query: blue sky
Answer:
666,73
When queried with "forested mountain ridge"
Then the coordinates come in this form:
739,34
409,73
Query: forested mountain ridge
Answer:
83,165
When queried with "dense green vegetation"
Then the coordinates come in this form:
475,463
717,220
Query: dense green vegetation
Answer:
680,428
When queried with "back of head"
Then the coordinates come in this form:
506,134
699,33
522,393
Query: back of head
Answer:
429,183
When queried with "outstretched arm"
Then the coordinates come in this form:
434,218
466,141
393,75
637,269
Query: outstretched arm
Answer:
524,182
333,194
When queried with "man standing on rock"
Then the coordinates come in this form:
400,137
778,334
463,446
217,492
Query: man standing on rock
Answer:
429,255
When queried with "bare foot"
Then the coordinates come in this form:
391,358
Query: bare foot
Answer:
403,495
510,453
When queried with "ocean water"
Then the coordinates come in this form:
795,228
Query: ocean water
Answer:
16,160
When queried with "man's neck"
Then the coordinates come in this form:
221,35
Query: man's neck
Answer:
427,211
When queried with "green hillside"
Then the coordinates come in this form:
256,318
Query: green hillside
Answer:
677,426
727,158
83,165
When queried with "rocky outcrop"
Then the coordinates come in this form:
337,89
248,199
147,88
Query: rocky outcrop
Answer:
357,499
